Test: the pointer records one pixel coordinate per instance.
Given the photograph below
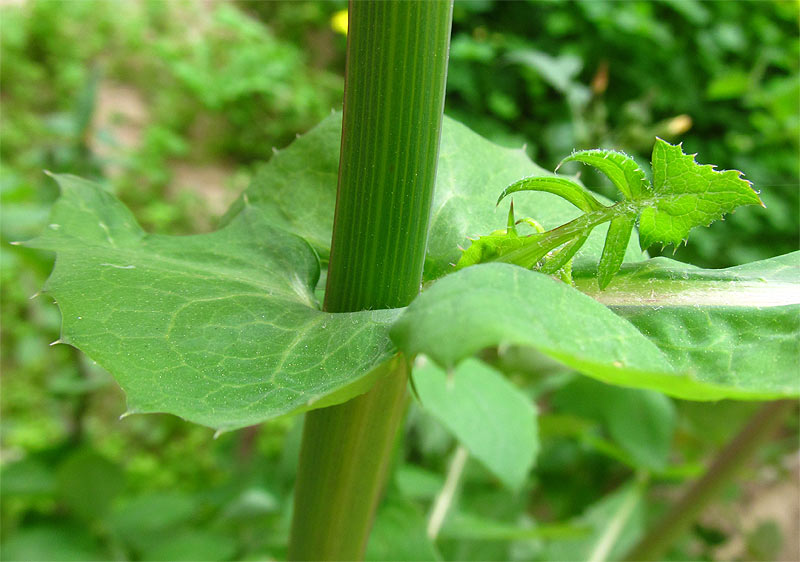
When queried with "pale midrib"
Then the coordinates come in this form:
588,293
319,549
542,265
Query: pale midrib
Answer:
744,295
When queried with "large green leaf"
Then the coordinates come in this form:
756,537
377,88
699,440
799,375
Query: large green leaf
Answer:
296,190
494,420
738,328
221,329
498,304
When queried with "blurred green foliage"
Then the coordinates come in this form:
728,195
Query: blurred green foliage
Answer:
722,77
133,94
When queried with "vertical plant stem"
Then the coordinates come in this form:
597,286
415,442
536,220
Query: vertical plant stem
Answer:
723,468
394,98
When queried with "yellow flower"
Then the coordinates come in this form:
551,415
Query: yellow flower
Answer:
339,22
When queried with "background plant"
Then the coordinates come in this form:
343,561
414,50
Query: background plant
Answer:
36,419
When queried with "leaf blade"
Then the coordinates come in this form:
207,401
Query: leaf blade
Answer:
735,327
494,420
687,194
563,187
221,329
621,169
500,304
619,233
497,304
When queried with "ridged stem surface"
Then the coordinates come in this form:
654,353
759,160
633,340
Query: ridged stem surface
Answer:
394,97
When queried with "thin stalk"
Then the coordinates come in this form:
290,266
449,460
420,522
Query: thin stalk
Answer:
536,246
605,544
394,98
723,468
448,493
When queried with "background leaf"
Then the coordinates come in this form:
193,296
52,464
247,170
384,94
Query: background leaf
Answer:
399,534
53,543
623,506
88,483
641,422
194,545
297,190
151,519
493,419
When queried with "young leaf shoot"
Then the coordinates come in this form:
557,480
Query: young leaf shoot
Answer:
683,195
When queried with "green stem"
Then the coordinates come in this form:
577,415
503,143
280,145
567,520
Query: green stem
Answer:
538,245
444,499
616,524
724,467
394,98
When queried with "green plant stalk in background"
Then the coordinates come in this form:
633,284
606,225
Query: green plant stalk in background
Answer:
394,99
723,469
